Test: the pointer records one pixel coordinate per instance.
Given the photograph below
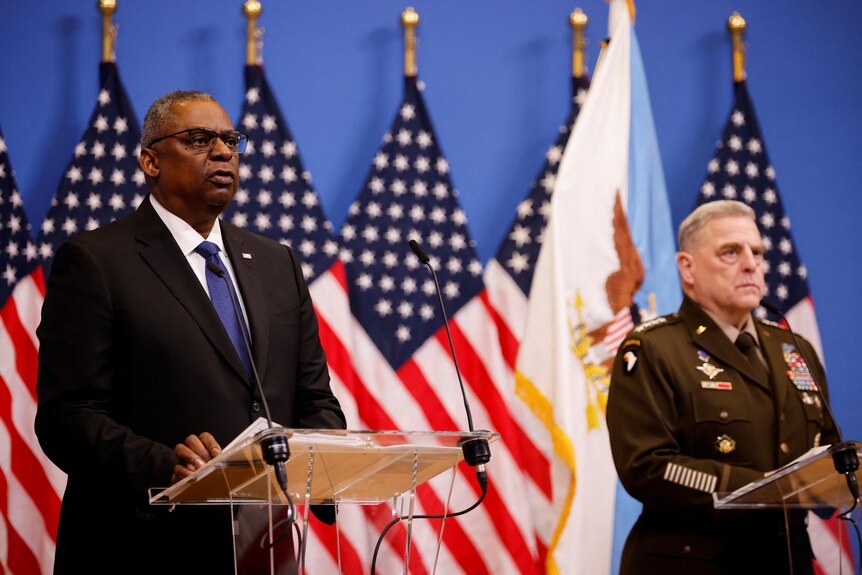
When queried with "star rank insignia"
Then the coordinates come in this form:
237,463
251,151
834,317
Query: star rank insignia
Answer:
707,368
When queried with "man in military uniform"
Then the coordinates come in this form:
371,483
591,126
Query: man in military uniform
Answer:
710,399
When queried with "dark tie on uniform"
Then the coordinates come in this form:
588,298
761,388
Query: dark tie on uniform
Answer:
222,303
746,344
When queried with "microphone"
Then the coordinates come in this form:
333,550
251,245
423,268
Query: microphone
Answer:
477,452
273,443
844,455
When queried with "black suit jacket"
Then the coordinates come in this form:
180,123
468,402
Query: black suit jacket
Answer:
133,359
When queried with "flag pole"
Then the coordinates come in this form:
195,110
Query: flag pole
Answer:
253,49
109,32
410,19
736,25
603,46
579,22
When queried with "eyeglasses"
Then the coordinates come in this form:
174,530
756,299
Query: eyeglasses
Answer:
203,139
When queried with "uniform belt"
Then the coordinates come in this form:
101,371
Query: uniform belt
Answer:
741,523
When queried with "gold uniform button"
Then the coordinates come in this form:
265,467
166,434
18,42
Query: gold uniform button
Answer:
723,414
785,449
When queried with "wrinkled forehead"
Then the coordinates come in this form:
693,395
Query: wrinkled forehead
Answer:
736,229
199,114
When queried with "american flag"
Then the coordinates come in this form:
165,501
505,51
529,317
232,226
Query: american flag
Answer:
30,486
401,351
741,170
510,274
103,181
277,199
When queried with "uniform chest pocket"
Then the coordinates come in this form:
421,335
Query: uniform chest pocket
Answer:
722,421
812,407
722,407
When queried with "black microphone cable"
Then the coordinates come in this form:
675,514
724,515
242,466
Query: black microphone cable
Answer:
273,442
844,456
483,482
843,453
477,451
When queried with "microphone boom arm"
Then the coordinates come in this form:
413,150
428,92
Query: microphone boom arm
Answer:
844,455
477,451
273,442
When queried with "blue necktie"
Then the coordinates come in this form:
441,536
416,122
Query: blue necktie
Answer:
222,303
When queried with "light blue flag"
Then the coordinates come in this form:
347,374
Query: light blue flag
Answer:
649,209
652,231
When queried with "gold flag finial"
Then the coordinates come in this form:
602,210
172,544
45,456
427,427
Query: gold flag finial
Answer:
252,10
579,22
109,32
736,25
410,19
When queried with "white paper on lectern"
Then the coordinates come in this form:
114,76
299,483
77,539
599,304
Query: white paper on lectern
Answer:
256,427
810,454
297,437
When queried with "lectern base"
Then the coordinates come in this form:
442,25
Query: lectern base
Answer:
259,548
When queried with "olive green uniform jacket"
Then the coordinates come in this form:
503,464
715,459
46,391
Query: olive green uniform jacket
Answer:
688,417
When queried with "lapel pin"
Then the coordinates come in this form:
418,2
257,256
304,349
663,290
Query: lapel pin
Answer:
246,256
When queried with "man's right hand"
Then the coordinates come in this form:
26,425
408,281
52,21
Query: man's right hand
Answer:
194,453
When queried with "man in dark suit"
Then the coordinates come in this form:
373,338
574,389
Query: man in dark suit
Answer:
691,413
140,381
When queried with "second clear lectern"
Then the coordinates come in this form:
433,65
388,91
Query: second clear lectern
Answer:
325,467
810,483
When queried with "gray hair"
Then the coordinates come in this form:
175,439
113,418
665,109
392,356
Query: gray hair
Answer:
159,115
707,212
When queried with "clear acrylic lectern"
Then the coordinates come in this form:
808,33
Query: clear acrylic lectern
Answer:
811,482
325,467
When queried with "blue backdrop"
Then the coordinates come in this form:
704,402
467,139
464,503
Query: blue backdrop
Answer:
497,85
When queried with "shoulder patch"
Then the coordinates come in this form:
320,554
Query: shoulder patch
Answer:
630,359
